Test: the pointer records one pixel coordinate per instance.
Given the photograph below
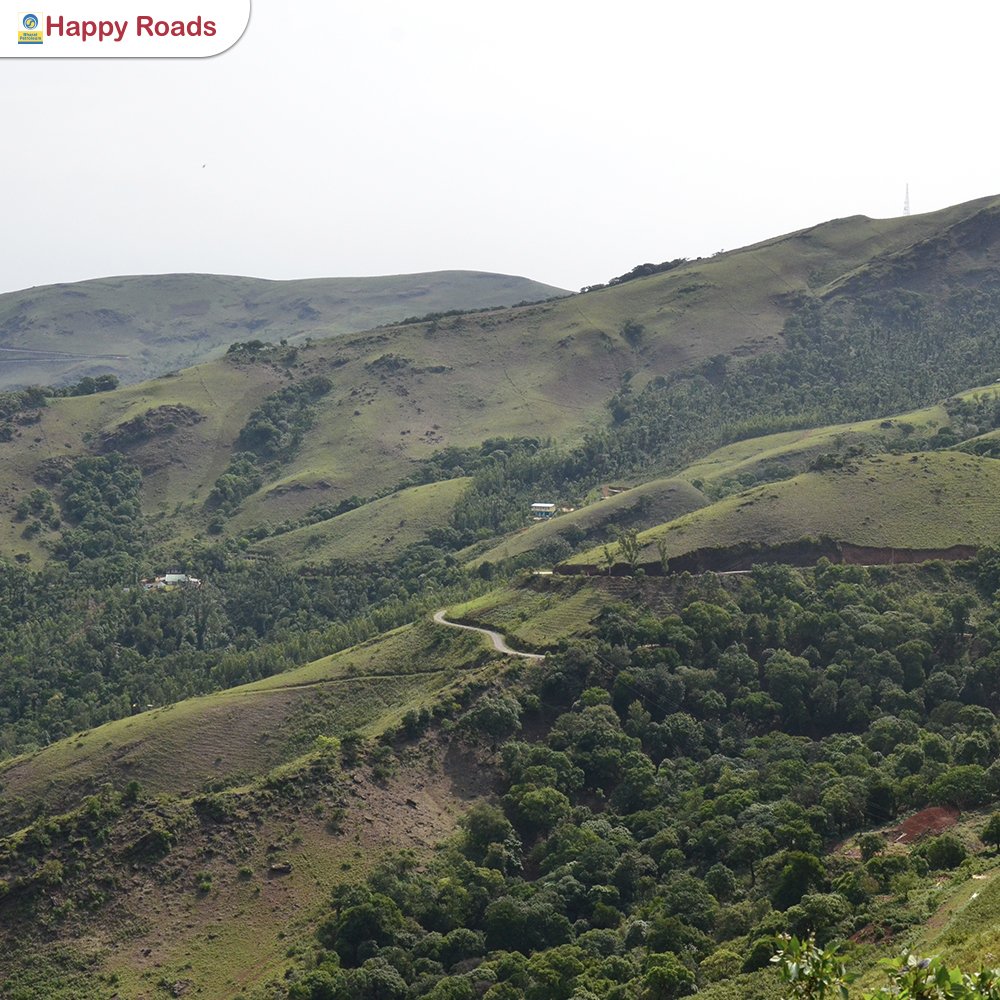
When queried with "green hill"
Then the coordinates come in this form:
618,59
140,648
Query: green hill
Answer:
223,781
926,500
637,508
228,738
774,455
688,770
642,810
376,531
401,394
140,326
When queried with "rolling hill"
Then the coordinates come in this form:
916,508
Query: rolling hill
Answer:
639,507
223,780
676,781
138,327
401,394
376,531
919,501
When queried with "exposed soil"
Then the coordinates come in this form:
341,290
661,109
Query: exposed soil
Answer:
872,934
213,913
739,558
933,820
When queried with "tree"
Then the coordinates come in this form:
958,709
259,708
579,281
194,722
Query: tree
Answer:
870,844
490,839
800,873
663,554
630,547
666,978
553,973
961,786
496,714
813,973
536,810
991,832
373,917
946,851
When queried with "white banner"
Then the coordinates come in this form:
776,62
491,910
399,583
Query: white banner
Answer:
112,29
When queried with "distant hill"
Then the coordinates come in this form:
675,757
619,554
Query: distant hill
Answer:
401,394
141,326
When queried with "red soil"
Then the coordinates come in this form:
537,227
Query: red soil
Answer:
934,820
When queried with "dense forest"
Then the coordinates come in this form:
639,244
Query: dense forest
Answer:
679,792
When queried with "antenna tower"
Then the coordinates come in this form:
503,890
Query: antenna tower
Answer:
906,201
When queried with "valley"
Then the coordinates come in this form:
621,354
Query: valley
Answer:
758,633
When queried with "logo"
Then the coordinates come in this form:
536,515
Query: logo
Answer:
30,33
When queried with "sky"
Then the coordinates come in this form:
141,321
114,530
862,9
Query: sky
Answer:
563,140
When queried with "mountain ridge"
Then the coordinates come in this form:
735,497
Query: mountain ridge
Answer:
139,326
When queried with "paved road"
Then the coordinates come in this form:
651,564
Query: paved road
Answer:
497,639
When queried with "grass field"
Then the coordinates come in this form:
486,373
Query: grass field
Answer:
540,612
641,507
796,449
925,500
401,393
229,737
140,326
231,938
376,531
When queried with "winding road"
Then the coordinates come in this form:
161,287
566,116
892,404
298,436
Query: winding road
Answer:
495,637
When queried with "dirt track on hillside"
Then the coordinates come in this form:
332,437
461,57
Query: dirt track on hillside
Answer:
499,643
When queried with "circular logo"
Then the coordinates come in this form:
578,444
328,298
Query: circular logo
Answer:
30,22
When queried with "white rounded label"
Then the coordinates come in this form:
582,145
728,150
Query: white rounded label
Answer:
94,29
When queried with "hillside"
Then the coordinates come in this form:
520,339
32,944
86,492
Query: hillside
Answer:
225,739
376,531
403,394
223,778
637,508
924,500
289,779
140,326
196,849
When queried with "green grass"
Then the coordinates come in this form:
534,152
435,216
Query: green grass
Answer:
926,500
376,531
248,730
234,936
796,449
399,394
641,507
539,613
154,323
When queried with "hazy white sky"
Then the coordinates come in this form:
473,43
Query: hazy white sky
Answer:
565,140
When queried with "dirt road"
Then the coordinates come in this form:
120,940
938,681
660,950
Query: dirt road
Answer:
495,637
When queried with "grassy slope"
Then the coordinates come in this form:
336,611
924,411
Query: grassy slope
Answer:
179,469
541,370
541,611
641,507
154,323
796,449
245,731
791,451
375,531
159,928
926,500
